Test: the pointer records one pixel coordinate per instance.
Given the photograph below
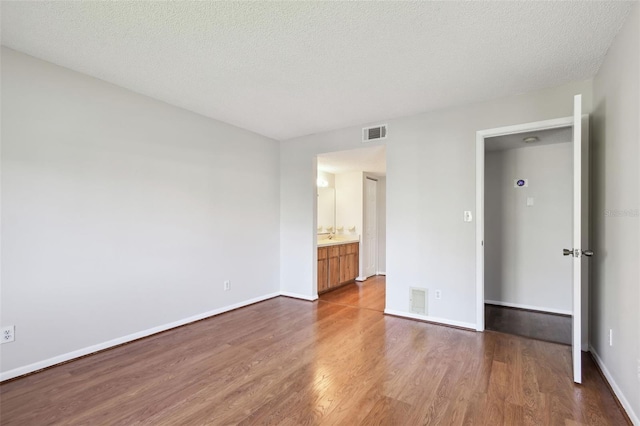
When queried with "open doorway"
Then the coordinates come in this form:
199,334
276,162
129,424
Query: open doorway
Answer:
351,227
528,193
577,251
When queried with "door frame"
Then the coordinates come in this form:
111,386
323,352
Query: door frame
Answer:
363,274
480,163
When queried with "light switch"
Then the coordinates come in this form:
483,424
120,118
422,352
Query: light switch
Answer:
529,201
467,216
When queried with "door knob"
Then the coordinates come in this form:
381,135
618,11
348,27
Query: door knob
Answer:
569,252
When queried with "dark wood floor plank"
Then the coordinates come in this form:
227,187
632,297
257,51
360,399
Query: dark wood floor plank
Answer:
545,326
292,362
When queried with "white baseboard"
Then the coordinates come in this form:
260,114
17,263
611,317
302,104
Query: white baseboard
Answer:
616,389
6,375
362,278
382,273
299,296
529,307
427,318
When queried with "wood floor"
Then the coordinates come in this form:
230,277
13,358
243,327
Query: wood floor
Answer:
291,362
536,325
369,294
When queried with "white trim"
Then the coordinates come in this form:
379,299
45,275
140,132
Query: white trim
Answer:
381,273
361,278
479,231
39,365
576,341
480,136
299,296
529,307
616,389
366,242
555,123
427,318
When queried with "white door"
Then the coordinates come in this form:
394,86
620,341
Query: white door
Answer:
370,239
579,240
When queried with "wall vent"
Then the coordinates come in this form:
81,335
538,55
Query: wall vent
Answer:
419,300
374,133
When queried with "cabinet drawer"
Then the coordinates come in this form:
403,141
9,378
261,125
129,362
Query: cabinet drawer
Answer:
334,251
322,253
348,249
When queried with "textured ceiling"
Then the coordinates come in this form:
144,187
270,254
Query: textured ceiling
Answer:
516,140
370,159
289,69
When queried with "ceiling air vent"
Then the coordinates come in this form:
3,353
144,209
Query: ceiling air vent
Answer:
374,133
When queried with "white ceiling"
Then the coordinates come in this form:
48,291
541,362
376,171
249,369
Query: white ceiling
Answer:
294,68
370,159
516,140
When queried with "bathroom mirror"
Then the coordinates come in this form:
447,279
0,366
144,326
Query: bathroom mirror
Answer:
326,209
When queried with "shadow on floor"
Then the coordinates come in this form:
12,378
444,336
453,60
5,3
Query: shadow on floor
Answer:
545,326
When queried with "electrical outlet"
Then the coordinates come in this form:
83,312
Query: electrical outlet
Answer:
438,294
610,337
227,285
8,334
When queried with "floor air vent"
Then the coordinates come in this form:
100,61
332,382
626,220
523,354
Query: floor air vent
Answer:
419,300
374,133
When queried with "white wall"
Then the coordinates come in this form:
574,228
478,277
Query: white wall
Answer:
121,213
430,182
615,289
523,244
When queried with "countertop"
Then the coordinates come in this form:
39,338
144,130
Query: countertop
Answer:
325,242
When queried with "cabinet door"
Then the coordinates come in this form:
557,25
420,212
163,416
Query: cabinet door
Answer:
355,261
334,271
345,266
348,267
348,262
323,274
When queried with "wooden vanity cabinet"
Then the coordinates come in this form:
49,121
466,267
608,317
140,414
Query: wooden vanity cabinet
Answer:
323,269
334,266
348,262
337,265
